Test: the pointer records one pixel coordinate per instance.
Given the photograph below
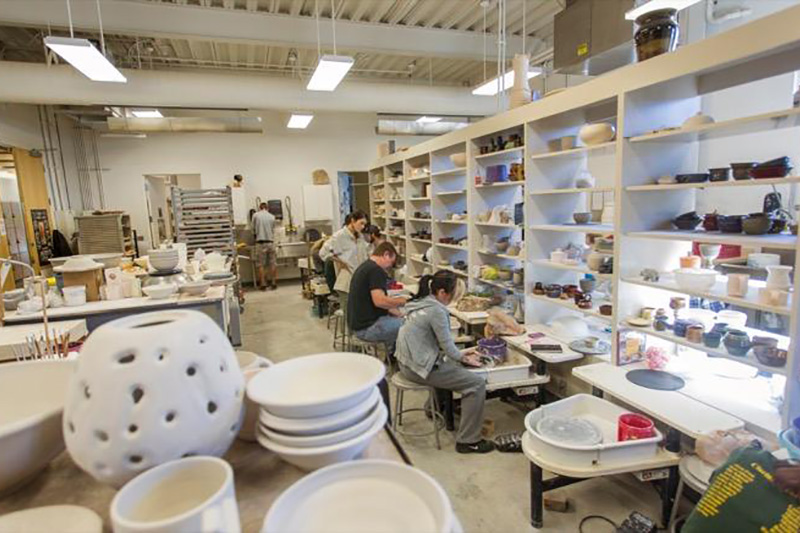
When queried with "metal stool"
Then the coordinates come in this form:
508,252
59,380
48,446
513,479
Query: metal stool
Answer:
403,385
691,469
378,349
340,337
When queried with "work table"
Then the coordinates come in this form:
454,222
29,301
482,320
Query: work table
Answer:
12,336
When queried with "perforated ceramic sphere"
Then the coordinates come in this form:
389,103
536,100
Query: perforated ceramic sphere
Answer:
149,389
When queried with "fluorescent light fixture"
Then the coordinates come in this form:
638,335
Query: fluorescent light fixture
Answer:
147,113
299,121
329,73
652,5
82,55
492,87
428,120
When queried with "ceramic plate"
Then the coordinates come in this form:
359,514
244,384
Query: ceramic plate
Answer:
580,346
323,424
365,495
61,518
316,385
637,321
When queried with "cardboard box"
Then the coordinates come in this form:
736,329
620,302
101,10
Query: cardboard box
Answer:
91,279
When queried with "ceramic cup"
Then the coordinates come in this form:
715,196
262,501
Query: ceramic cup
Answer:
557,256
187,495
737,284
661,324
694,334
690,261
648,313
591,342
606,310
712,339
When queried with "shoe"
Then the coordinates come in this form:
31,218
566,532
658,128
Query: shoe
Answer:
509,443
262,288
274,286
482,446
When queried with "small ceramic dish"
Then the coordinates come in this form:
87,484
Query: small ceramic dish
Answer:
160,291
638,321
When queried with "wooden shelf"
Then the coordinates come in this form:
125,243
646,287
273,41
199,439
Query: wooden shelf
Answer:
500,185
508,286
786,118
452,193
783,241
502,256
570,304
591,229
496,225
574,190
428,220
715,184
420,241
424,177
720,352
452,246
717,292
581,269
574,152
397,200
420,199
500,153
459,222
451,172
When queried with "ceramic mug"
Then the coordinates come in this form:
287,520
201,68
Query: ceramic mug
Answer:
193,494
591,342
648,313
557,256
737,284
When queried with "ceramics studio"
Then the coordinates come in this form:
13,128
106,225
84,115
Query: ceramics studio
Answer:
399,266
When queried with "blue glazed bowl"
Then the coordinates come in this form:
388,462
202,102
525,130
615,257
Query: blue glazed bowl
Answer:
788,439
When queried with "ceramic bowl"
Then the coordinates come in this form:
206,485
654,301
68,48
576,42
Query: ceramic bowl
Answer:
741,171
695,279
737,342
160,291
61,518
399,497
719,174
31,403
756,224
730,223
459,159
501,246
317,457
316,385
687,221
195,288
326,439
701,177
696,120
163,259
599,133
582,218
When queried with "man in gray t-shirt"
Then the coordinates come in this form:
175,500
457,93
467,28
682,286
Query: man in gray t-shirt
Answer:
264,251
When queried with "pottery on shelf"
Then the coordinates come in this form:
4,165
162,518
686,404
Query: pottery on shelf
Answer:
459,159
737,342
741,171
698,119
719,174
587,284
695,279
730,223
151,388
582,218
756,224
657,33
687,221
599,133
585,180
779,277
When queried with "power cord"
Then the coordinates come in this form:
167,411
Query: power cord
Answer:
596,517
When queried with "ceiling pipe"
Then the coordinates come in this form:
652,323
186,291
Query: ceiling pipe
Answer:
34,83
185,125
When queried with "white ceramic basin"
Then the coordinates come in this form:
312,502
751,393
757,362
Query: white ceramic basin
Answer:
367,495
326,439
316,385
31,401
317,457
160,291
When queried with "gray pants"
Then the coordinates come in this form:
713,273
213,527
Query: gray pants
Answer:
472,387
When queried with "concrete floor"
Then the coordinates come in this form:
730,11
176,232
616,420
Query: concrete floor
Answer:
490,493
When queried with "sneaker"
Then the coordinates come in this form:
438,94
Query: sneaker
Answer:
482,446
274,286
509,443
262,288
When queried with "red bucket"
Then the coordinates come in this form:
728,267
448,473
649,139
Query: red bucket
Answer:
634,427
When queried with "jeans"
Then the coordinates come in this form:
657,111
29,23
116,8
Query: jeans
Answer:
384,330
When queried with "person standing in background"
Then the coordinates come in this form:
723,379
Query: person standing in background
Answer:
265,255
348,249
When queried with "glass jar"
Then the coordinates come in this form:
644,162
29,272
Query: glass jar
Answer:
657,33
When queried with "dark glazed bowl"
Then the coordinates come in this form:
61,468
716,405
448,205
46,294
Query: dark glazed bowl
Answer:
710,222
730,223
756,224
687,221
741,171
691,178
737,342
719,174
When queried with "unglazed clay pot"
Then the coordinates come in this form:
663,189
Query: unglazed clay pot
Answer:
151,388
593,134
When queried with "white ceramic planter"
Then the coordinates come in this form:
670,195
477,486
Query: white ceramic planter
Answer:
593,134
31,401
151,388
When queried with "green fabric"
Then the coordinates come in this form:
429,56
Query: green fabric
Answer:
743,498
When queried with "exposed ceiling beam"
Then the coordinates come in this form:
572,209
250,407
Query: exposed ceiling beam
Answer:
240,26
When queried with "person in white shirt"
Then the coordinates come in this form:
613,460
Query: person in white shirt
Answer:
264,251
348,249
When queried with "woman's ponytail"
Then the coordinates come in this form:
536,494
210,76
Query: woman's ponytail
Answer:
424,287
442,280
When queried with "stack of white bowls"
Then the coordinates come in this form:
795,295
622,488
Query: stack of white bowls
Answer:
320,409
164,259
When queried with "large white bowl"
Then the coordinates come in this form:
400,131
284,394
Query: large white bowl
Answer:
160,291
321,424
459,159
316,385
325,439
163,259
31,402
317,457
695,279
195,288
599,133
61,518
368,495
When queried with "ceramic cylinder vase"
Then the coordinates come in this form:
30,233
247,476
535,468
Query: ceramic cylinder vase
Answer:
151,388
778,277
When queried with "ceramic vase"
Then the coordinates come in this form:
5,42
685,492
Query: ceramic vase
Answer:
152,388
778,277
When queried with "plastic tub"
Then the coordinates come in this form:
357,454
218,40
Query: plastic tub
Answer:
515,368
75,295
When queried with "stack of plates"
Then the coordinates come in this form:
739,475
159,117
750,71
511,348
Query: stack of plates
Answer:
369,495
319,409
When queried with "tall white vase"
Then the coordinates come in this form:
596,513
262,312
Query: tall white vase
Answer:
151,388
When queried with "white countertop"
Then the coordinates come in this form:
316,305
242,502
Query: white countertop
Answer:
214,294
689,416
11,336
522,343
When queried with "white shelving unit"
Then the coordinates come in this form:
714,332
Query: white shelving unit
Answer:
637,100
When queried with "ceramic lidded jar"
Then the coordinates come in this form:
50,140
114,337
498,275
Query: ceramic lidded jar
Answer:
657,33
151,388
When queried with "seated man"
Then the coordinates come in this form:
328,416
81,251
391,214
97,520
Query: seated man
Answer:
371,314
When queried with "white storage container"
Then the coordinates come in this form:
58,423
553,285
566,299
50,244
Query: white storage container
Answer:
516,368
604,415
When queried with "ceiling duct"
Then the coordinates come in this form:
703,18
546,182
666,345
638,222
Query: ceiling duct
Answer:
412,127
592,37
185,125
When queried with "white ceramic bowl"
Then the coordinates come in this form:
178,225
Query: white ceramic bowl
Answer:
61,518
30,306
32,398
325,439
593,134
316,385
367,495
459,159
313,458
696,120
695,279
75,295
195,288
321,424
163,259
160,291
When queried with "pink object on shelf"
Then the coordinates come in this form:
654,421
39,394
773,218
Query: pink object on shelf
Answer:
656,358
634,427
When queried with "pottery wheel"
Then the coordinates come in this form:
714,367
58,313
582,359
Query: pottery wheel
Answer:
655,379
569,430
580,346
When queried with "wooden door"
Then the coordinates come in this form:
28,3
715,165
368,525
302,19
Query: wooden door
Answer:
33,195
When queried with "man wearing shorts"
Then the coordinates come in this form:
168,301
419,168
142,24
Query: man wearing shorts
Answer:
265,258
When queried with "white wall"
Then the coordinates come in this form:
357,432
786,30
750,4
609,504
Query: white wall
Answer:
275,164
19,126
